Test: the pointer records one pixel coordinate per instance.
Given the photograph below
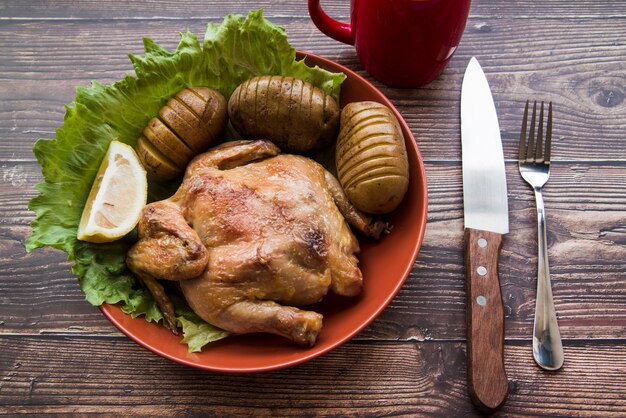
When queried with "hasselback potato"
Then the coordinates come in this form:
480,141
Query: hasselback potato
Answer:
295,115
371,158
187,125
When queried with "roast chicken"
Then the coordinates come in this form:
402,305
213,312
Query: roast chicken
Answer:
250,235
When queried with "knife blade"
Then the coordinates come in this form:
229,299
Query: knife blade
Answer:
486,221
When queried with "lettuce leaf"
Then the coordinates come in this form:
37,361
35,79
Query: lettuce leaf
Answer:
232,52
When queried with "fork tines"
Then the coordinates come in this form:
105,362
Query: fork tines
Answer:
536,152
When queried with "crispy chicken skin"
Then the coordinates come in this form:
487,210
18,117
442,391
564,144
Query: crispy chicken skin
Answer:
249,235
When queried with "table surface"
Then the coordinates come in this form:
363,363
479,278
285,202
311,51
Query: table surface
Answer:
58,354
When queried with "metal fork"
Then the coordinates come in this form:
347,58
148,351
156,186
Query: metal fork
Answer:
534,166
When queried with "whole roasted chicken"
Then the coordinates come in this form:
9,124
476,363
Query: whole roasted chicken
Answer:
250,235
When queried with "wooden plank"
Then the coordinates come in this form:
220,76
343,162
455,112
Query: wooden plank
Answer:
41,69
87,375
587,239
92,9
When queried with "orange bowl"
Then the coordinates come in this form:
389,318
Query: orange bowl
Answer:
385,264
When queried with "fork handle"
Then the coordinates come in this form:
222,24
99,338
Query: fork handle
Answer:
547,345
486,377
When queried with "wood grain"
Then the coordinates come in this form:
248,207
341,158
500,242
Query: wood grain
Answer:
486,376
59,355
186,9
588,94
586,234
374,379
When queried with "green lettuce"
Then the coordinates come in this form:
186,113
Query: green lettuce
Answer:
232,52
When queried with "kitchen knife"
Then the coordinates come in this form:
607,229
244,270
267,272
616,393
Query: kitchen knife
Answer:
486,220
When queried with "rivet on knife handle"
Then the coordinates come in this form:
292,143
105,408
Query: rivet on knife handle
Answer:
487,382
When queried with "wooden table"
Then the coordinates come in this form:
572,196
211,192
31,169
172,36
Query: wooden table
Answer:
58,354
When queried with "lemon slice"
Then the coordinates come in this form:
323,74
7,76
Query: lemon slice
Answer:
117,196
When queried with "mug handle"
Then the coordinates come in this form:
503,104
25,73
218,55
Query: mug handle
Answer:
340,31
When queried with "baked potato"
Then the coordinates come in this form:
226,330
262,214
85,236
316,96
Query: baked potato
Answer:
295,115
187,125
371,158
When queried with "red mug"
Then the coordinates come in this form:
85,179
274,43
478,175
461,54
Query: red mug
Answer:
401,43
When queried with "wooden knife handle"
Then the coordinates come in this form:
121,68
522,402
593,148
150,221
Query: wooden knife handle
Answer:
487,382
